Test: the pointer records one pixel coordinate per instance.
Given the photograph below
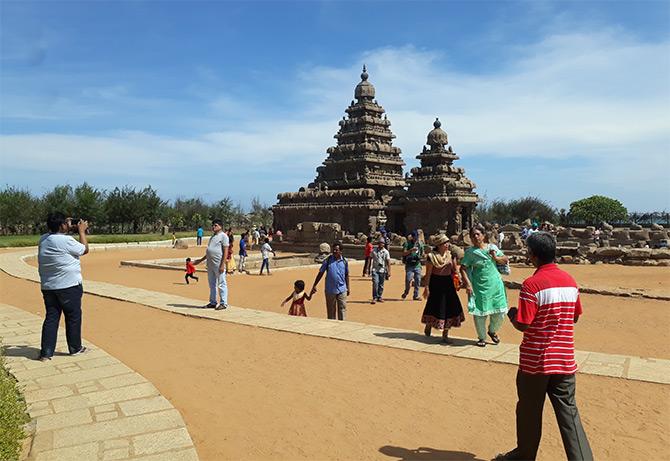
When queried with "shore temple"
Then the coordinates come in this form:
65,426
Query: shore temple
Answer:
361,184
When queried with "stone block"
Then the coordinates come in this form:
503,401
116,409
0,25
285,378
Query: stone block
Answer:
650,262
620,234
583,233
63,419
162,441
658,235
146,405
642,234
564,232
84,452
635,227
656,227
610,252
181,244
511,228
639,253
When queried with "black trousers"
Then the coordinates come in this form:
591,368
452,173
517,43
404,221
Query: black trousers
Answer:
531,391
67,301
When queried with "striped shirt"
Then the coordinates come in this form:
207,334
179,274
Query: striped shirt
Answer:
548,303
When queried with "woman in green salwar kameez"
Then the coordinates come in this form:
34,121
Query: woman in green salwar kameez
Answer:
486,291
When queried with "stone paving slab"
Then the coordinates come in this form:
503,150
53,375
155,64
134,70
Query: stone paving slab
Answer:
89,406
594,363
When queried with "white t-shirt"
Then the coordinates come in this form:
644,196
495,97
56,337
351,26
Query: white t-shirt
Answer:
215,246
266,249
379,258
58,260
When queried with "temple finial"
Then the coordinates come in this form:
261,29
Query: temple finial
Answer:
364,75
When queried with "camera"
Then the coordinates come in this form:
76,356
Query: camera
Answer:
74,225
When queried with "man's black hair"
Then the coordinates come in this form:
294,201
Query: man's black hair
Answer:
55,220
543,246
337,244
217,221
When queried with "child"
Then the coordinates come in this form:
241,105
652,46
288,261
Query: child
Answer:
266,249
190,271
230,262
368,257
243,253
297,299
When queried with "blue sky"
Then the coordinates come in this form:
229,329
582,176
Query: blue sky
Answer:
560,100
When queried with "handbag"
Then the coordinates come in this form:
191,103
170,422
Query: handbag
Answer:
503,269
457,280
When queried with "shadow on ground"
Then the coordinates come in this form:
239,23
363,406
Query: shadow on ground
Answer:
419,338
28,352
427,454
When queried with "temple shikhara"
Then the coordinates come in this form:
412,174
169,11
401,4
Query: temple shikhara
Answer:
360,184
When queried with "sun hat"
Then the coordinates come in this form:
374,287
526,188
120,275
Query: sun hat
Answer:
439,239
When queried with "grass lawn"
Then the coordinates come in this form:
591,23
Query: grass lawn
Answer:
12,414
7,241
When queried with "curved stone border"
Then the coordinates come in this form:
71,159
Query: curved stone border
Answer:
90,406
594,363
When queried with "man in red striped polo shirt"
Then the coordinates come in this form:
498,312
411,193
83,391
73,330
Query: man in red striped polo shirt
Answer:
549,306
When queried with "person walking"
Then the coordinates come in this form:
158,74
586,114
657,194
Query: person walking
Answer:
198,236
412,254
241,264
61,283
336,269
190,271
266,249
486,291
380,270
443,309
549,308
216,256
368,257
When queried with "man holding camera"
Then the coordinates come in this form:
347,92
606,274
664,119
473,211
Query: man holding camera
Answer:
412,253
549,307
61,282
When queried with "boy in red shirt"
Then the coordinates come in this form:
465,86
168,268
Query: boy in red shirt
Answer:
368,257
190,271
549,307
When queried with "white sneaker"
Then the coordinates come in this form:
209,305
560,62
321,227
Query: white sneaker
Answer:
80,351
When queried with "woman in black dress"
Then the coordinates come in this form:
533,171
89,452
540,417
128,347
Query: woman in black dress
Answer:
443,308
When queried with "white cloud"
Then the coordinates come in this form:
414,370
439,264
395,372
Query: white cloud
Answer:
599,100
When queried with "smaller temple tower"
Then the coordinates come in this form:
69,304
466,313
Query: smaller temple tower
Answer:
439,196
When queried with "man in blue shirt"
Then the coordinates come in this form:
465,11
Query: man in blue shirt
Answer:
336,269
199,234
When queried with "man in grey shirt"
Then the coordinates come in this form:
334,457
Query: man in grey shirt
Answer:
216,254
61,282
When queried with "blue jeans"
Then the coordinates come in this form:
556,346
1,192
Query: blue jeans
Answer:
217,283
266,264
412,273
67,301
378,285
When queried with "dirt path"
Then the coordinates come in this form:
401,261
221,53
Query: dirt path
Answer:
249,394
615,325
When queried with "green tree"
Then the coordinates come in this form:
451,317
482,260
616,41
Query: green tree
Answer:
223,210
19,211
596,209
261,213
88,204
61,199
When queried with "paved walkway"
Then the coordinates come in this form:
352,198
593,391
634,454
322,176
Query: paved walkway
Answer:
90,406
594,363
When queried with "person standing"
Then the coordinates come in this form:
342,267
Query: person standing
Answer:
368,256
198,236
412,253
380,271
241,264
216,256
266,249
486,291
336,269
61,283
443,309
549,307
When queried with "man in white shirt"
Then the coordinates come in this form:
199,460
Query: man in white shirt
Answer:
216,255
266,249
380,270
61,282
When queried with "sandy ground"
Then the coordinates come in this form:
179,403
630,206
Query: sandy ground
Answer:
629,326
249,393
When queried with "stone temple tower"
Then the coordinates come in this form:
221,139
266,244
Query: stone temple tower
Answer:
439,195
364,155
355,182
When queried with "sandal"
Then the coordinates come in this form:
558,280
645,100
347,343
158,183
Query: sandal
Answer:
481,343
494,337
427,330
